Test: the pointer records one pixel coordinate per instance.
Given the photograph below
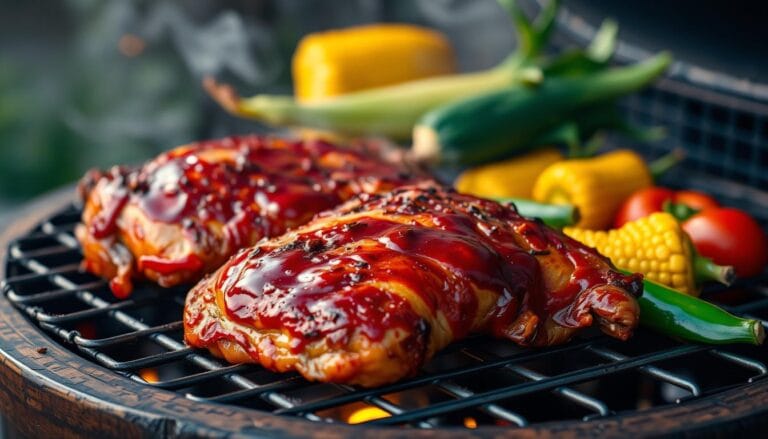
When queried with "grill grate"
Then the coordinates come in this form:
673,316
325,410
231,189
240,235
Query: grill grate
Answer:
475,382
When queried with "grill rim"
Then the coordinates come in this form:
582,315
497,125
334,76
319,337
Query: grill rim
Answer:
38,374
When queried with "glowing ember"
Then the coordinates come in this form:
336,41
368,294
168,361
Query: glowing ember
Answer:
366,414
149,375
470,422
86,330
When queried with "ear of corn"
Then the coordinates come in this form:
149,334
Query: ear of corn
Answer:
392,110
597,186
508,178
337,62
657,247
389,110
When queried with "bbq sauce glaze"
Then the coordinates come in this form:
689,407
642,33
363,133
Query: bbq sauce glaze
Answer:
254,186
328,283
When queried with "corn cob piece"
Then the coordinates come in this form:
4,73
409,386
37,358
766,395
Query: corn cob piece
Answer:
337,62
597,186
657,247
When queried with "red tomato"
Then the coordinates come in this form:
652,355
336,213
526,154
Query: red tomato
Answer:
641,204
695,200
649,200
729,237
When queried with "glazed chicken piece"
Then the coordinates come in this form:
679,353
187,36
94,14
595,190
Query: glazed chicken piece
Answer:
184,213
367,293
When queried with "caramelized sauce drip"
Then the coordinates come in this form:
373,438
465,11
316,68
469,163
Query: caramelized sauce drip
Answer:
327,283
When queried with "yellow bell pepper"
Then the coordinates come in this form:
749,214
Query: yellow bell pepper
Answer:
657,247
513,178
342,61
597,186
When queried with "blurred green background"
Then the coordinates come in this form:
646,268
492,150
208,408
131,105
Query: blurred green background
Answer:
92,83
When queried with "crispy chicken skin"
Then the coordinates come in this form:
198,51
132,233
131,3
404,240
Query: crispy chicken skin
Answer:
184,213
366,293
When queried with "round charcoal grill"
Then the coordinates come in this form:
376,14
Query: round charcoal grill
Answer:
76,361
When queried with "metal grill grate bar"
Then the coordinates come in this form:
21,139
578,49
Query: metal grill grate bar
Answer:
491,409
557,381
89,313
743,361
656,372
191,380
51,295
579,398
39,270
42,274
286,384
426,379
126,338
152,360
17,254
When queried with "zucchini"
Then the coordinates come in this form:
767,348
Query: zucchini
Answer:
501,123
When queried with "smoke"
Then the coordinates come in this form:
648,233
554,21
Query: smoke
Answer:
226,42
481,31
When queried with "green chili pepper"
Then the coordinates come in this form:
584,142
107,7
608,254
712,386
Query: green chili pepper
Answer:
553,215
688,318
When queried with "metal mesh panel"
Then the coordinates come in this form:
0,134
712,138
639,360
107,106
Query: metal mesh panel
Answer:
719,120
719,136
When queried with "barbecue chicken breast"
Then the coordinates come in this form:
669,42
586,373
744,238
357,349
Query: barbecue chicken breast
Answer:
367,293
184,213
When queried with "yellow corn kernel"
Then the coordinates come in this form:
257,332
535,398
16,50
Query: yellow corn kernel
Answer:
666,260
341,61
677,263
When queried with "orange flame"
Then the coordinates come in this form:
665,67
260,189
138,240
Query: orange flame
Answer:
470,422
365,414
149,375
